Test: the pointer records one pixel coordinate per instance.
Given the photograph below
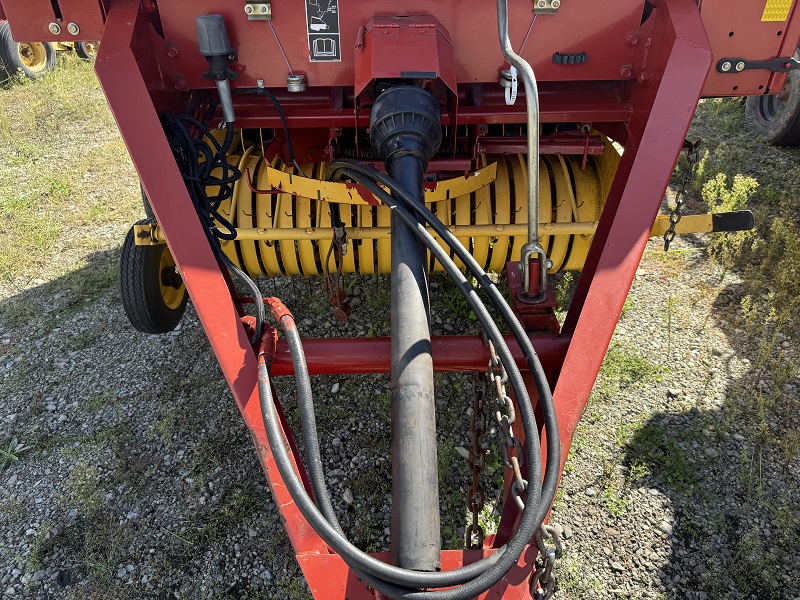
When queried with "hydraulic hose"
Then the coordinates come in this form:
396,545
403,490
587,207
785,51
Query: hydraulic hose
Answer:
375,568
499,563
550,482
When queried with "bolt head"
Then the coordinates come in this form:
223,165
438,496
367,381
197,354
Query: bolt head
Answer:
740,66
73,28
625,71
555,4
263,8
54,28
726,66
542,3
172,51
180,83
248,9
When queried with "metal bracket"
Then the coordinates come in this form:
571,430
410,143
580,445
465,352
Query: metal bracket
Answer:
148,234
776,65
546,7
258,11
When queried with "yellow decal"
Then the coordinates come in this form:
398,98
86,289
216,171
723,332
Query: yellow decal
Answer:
776,10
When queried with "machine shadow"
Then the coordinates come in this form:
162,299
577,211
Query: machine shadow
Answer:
137,453
727,470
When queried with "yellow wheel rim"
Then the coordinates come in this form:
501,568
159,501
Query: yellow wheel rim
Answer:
33,55
173,296
91,48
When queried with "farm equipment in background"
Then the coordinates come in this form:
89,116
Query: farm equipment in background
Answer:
36,59
458,136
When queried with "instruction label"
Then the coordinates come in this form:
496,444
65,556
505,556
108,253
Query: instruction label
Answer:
322,21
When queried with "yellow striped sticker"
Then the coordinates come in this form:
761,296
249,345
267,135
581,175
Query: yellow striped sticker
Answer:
776,10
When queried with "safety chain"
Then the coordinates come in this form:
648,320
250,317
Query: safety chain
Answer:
543,582
477,461
505,415
693,157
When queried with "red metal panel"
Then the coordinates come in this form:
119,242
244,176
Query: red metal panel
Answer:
735,29
632,205
126,87
330,578
579,26
30,19
422,42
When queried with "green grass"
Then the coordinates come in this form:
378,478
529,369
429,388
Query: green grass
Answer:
64,167
11,452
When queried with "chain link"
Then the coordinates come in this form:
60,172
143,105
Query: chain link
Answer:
477,460
692,157
543,582
505,416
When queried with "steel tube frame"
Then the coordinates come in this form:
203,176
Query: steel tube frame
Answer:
656,118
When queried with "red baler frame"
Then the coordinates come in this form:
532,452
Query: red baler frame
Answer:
640,87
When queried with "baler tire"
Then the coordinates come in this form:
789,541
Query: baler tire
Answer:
86,50
33,59
143,290
777,122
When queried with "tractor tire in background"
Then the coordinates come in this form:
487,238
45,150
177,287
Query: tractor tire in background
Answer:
153,294
776,118
87,50
33,59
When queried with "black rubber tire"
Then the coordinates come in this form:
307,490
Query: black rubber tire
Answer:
148,210
83,50
11,62
139,280
776,121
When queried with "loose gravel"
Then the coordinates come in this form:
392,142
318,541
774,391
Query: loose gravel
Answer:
140,480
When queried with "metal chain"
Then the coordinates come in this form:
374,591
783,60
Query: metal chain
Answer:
476,495
543,582
505,415
693,157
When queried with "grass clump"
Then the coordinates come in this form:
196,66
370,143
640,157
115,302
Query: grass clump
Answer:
11,452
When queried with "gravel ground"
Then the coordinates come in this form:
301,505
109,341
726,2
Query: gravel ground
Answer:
140,480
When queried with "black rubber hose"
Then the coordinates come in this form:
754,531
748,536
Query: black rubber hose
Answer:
282,117
341,544
520,539
197,176
305,403
550,482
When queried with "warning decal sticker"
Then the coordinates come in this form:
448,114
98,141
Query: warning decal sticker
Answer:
322,21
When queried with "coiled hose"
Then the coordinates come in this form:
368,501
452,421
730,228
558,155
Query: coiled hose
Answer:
478,577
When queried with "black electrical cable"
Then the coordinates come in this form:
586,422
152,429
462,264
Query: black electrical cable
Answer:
279,110
198,154
550,483
527,528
